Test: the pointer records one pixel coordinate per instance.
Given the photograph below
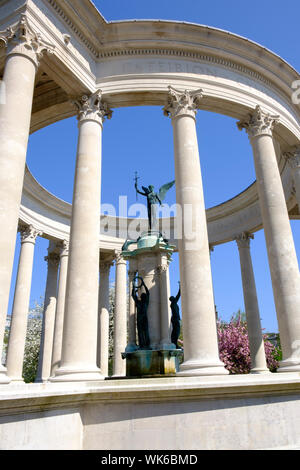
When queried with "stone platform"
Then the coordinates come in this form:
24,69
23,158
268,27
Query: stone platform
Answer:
183,413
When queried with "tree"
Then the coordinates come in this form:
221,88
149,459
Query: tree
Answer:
234,347
111,329
33,341
32,344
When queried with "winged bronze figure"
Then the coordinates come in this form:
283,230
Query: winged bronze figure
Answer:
153,199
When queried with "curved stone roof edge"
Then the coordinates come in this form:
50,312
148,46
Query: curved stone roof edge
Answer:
108,24
212,28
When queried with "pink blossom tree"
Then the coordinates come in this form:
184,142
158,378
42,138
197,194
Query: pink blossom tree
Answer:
234,347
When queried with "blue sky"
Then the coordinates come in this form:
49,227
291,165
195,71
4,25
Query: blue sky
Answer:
129,146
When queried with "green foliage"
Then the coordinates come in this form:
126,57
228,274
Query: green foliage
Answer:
239,316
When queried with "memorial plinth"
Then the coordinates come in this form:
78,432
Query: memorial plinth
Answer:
149,258
143,363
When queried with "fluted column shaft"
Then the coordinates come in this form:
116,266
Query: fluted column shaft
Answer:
120,317
23,51
79,349
44,368
60,307
103,327
19,320
279,239
201,355
256,341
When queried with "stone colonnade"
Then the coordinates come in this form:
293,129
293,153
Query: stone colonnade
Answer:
52,336
71,312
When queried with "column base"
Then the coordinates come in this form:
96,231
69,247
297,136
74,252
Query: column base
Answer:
195,368
16,380
289,365
4,379
65,374
41,381
260,371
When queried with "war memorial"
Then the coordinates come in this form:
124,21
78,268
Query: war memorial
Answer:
60,59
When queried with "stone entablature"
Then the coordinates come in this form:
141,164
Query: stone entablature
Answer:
89,53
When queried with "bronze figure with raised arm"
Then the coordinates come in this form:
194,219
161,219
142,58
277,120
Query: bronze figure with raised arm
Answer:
153,199
175,319
142,304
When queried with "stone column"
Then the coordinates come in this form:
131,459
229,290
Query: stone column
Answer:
256,342
45,358
131,346
293,159
120,316
103,324
165,308
201,355
24,48
60,306
19,319
279,239
79,349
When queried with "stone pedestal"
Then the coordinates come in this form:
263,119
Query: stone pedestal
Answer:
151,255
152,363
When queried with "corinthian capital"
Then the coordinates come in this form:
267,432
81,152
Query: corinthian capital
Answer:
105,264
52,259
243,240
92,108
29,234
293,158
63,248
259,123
119,258
182,103
22,39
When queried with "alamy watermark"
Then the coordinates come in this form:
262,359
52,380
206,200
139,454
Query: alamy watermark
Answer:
176,222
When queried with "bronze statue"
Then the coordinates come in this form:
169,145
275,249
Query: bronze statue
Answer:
175,319
153,199
142,304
